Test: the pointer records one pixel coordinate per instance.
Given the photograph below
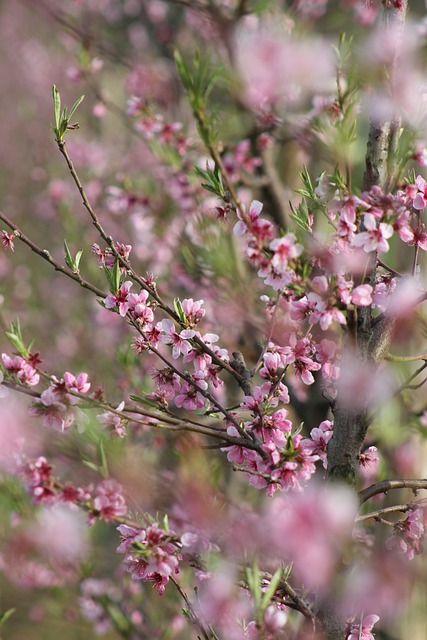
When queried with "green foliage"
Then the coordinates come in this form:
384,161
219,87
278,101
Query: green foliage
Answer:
255,579
62,117
310,203
213,180
198,82
15,336
72,263
179,311
114,277
6,615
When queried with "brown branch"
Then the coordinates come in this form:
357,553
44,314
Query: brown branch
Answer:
388,485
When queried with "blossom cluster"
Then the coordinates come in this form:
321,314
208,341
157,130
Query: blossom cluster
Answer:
21,369
57,405
104,501
151,554
408,534
186,390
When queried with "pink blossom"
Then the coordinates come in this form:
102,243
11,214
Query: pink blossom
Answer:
21,369
361,296
150,554
241,227
408,534
419,237
39,479
188,397
119,300
179,341
363,631
276,279
420,200
420,154
79,384
109,502
193,310
318,441
368,464
300,353
310,529
57,415
137,304
7,240
373,239
110,419
284,249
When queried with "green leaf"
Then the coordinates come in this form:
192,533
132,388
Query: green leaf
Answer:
104,464
57,108
6,615
91,465
77,260
146,401
300,215
68,257
114,277
254,582
117,275
72,263
15,336
179,310
183,70
75,105
274,583
166,522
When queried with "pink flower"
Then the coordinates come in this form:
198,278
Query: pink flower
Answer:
361,296
188,397
57,415
284,249
119,300
363,631
408,535
309,529
318,441
179,341
420,200
137,304
79,384
150,554
373,239
241,227
39,479
20,368
193,310
7,240
299,353
110,419
109,502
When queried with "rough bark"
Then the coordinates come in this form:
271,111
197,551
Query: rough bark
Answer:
369,339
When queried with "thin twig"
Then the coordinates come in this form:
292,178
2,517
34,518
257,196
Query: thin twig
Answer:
397,508
126,264
44,253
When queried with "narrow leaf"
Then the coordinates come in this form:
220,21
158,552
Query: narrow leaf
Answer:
6,615
56,106
274,583
68,257
75,105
